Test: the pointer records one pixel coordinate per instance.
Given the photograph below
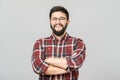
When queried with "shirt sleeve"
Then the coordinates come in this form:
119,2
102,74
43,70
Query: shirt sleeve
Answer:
78,56
38,64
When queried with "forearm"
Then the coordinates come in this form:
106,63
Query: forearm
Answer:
38,64
58,62
52,70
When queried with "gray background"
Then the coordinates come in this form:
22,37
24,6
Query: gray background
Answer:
97,22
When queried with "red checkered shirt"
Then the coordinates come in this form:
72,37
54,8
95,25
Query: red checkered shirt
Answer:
71,48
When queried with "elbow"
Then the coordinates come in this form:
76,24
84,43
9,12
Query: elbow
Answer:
75,63
74,67
39,68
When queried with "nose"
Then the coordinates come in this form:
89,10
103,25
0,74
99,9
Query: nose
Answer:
58,21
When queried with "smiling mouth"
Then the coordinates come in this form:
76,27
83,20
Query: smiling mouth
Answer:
58,27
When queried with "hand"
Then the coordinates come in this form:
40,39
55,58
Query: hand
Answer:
59,62
47,60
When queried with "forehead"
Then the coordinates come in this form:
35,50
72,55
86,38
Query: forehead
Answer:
58,14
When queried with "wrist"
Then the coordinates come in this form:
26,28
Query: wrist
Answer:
47,63
66,68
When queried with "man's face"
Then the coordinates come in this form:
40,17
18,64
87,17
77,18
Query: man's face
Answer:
58,23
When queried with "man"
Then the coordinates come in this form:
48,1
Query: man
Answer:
59,56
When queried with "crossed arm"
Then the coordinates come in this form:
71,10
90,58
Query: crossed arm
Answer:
56,66
39,64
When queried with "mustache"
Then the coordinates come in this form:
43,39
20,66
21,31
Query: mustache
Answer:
58,24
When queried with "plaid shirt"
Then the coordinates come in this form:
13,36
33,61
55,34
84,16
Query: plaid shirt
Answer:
71,48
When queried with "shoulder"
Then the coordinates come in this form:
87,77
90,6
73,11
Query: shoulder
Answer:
41,40
75,38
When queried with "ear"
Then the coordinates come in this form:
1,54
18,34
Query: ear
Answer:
49,20
68,21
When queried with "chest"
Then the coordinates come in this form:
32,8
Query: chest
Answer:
58,48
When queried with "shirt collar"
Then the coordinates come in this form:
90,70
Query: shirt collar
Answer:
64,37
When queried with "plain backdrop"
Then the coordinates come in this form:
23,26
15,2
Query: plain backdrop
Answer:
97,22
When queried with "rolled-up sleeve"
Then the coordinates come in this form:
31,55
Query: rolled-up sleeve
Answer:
77,58
38,64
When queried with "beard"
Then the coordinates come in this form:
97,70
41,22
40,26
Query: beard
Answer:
58,33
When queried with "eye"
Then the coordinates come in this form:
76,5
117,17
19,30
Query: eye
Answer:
60,19
54,19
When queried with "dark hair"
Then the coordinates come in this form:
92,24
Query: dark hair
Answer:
59,8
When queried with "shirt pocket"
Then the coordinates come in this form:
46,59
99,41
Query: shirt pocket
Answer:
68,50
48,52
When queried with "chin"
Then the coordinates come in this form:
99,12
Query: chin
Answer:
58,30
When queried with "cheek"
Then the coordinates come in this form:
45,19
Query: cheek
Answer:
51,24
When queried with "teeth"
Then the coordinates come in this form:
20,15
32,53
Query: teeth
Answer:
58,27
